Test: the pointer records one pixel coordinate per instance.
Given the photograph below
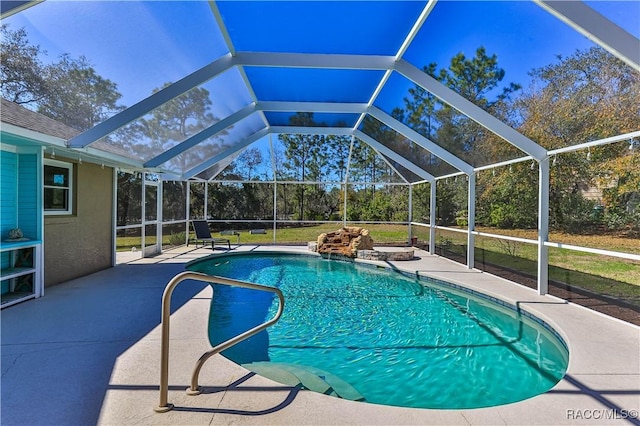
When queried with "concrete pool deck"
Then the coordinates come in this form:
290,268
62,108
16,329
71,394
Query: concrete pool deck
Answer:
89,353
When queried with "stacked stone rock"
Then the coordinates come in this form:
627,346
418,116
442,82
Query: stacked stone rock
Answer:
345,241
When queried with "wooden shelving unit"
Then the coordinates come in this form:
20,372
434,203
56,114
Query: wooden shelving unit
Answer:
21,260
20,274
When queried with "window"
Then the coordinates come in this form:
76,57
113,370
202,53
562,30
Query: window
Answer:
58,187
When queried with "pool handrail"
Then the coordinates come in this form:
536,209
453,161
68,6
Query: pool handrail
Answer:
194,389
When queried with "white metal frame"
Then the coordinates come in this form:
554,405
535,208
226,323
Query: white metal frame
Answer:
576,14
597,28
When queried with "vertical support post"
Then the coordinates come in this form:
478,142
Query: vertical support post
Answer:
275,209
159,218
275,187
432,218
471,221
344,207
38,259
39,249
187,209
143,210
206,201
346,180
543,226
410,211
114,219
39,277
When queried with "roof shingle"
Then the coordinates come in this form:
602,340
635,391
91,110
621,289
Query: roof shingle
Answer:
20,116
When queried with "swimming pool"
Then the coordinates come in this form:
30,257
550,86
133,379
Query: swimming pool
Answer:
377,335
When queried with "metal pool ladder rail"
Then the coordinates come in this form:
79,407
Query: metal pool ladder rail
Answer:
194,389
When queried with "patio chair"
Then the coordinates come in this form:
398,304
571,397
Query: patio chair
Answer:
201,228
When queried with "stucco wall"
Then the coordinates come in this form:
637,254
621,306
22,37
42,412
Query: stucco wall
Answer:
79,244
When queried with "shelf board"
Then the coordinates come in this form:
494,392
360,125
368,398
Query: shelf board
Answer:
13,245
9,273
9,299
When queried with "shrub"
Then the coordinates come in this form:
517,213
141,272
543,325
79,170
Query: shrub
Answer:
177,239
614,219
462,218
503,215
575,214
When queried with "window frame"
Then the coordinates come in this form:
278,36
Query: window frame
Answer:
69,187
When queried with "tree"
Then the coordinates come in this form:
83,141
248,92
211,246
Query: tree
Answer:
129,198
196,199
174,200
587,96
422,202
254,201
508,198
22,74
337,155
248,161
420,107
366,165
478,79
69,90
305,153
77,95
306,157
172,123
226,200
623,198
451,200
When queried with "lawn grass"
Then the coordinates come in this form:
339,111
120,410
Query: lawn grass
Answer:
523,257
614,277
382,234
127,243
605,275
600,270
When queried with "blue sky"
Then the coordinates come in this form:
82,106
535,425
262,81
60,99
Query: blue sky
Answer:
138,45
141,45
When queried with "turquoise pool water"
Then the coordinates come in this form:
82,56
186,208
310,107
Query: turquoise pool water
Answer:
397,340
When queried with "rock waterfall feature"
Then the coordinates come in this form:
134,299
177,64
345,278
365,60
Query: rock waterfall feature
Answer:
345,241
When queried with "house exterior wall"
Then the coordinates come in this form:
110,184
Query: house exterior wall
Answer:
28,204
8,195
81,243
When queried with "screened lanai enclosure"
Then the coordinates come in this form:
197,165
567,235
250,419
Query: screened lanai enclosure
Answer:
501,134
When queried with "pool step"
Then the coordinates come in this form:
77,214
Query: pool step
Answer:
310,378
